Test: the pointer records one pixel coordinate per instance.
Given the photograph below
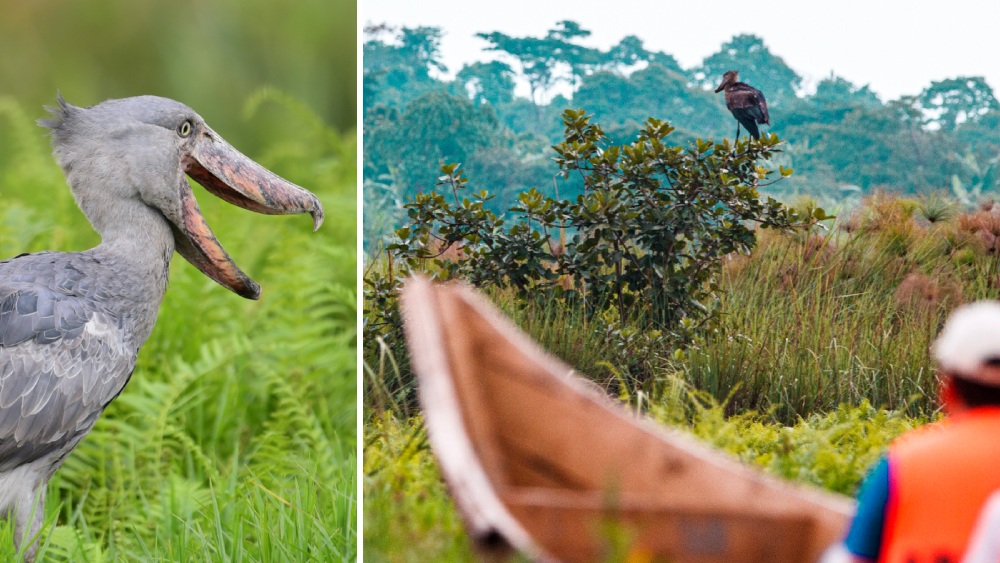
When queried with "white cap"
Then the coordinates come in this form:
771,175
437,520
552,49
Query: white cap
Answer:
971,338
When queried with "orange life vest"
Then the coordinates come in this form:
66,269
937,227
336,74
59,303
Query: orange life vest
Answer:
939,477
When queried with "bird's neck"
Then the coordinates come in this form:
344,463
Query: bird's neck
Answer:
137,234
135,251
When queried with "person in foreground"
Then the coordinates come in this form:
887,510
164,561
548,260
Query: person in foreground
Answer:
921,501
984,546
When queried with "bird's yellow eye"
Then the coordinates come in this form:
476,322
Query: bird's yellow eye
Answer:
185,129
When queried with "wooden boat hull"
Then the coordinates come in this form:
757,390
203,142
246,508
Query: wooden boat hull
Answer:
539,461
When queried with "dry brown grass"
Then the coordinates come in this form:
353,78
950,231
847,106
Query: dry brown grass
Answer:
734,263
818,249
926,294
983,226
882,211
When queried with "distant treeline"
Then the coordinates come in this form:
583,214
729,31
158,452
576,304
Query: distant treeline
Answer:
842,139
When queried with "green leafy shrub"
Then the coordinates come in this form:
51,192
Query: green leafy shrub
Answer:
649,229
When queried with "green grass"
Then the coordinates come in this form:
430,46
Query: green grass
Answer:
209,55
235,438
809,321
408,513
821,358
410,517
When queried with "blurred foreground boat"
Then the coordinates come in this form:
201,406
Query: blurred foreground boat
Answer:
540,462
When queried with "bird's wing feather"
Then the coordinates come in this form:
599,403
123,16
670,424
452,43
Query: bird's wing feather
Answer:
62,360
762,107
756,113
748,100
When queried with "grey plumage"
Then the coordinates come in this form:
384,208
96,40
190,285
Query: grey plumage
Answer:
72,324
64,351
68,344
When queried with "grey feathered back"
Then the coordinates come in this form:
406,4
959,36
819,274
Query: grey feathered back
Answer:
63,357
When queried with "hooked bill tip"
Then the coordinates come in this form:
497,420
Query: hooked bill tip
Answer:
316,212
250,291
317,216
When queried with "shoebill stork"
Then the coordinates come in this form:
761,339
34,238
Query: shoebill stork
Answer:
746,103
72,323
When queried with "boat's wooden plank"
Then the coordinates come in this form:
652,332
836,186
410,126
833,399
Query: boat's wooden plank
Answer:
590,533
517,412
488,521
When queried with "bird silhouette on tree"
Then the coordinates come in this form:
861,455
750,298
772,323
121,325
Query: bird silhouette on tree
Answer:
745,102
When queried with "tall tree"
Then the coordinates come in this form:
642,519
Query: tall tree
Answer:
487,83
630,52
982,134
955,101
835,97
580,60
884,147
435,128
417,48
540,58
624,103
534,55
835,91
398,64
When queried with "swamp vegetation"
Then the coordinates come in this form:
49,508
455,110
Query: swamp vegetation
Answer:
804,350
640,259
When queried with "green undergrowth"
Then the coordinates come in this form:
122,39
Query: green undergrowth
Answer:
235,438
807,322
409,515
820,358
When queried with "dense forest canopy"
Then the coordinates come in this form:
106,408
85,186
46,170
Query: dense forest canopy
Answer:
842,140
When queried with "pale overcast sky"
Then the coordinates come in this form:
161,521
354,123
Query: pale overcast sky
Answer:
895,47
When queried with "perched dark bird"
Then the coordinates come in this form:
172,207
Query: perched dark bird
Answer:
72,323
746,102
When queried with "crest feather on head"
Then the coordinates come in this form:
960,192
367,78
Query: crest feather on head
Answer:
61,115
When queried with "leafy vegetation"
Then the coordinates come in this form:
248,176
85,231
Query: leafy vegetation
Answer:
410,517
817,356
235,439
842,140
408,514
819,359
813,328
806,322
649,228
